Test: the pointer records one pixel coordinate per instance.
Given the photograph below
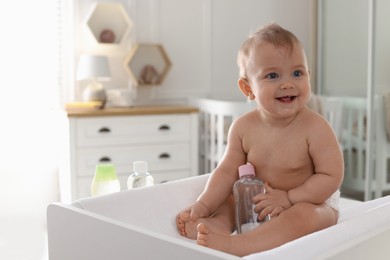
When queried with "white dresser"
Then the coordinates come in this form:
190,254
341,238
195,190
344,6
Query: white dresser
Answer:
164,136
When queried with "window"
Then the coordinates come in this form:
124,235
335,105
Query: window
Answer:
32,64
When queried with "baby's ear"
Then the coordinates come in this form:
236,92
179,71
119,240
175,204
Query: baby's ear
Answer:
244,87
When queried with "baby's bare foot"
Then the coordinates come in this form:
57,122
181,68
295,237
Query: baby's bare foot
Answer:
186,227
209,238
181,221
189,228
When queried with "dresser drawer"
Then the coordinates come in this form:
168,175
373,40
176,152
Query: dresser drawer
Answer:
131,130
159,157
166,137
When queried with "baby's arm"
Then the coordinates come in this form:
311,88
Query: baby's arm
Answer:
221,181
327,158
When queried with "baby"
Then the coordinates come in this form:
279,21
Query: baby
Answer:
294,150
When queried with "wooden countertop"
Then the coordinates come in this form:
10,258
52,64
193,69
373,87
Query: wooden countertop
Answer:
137,110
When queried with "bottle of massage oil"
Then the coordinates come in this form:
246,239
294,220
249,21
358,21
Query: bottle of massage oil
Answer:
245,188
140,177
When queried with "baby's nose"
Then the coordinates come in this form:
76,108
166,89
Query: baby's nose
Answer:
287,85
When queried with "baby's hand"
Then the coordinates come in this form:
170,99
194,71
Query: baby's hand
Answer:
194,212
199,210
271,203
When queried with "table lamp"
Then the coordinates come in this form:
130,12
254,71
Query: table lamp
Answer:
96,69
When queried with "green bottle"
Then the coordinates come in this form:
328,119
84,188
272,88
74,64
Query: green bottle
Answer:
105,180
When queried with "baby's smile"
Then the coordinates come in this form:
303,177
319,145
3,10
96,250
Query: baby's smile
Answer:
286,99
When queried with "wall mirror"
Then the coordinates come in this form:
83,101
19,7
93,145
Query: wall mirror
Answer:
147,64
352,62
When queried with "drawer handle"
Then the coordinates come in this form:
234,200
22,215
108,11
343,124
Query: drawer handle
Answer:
164,156
104,130
105,159
164,128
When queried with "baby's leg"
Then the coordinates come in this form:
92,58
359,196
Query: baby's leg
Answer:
222,221
297,221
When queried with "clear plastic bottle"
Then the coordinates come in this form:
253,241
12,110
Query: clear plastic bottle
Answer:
105,180
245,188
140,177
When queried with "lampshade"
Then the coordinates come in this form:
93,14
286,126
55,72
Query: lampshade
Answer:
93,67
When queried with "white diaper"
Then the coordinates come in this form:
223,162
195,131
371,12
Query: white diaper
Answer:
333,200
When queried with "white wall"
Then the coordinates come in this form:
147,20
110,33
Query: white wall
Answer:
233,20
345,43
382,46
201,37
345,47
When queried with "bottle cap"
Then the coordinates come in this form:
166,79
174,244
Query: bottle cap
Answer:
105,172
246,169
140,166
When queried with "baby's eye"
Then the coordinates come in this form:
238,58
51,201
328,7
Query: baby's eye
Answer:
272,75
297,73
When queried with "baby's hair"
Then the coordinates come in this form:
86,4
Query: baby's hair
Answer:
271,33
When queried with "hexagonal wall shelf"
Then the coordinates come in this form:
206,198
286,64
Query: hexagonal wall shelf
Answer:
109,22
147,64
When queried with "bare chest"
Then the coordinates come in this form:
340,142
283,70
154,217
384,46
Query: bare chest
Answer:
283,161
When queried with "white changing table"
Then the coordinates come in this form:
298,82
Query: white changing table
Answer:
140,224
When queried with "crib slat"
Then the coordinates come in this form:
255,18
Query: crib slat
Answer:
220,139
212,141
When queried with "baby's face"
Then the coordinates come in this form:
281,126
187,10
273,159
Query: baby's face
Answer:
279,79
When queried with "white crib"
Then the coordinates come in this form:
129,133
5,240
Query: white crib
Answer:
354,145
354,141
382,148
347,115
215,117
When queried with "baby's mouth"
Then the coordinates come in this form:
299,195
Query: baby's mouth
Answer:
286,99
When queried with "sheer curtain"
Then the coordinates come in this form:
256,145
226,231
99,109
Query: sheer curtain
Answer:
31,94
